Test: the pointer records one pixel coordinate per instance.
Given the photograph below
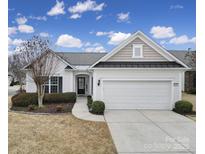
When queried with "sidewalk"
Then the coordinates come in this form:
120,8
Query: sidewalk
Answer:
80,110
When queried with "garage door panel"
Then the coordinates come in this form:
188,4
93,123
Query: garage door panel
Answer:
137,94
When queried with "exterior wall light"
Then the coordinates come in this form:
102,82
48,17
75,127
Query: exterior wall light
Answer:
98,82
176,84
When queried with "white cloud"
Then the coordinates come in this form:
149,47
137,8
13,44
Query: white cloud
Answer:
183,39
162,32
178,6
162,42
123,17
57,9
75,16
11,9
91,32
15,42
38,18
114,37
21,20
104,33
44,34
118,37
87,5
99,17
87,44
25,29
12,30
68,41
96,44
95,47
9,41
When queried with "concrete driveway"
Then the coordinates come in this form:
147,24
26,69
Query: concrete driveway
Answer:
151,131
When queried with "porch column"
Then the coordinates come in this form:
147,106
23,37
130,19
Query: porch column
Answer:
90,84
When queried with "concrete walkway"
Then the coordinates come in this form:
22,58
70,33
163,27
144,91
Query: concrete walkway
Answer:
80,110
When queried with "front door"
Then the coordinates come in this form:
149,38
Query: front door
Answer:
81,85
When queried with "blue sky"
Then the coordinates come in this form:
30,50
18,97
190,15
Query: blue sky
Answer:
98,26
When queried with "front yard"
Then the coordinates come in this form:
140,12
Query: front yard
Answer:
57,134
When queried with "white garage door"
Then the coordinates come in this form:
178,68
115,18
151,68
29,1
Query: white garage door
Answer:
136,94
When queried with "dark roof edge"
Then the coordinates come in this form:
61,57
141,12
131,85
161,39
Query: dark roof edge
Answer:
139,64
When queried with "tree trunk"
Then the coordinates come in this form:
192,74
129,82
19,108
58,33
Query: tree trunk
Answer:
21,89
40,96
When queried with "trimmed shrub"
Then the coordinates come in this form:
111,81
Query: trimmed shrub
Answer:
26,99
59,108
183,106
69,97
89,102
98,107
31,107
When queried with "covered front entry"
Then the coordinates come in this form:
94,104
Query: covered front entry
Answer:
82,84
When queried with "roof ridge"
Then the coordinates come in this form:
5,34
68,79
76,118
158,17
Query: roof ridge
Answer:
181,50
83,52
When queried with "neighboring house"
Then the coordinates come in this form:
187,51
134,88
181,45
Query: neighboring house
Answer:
137,74
189,77
10,78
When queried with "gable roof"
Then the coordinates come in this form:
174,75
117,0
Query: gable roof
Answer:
54,53
80,58
147,40
180,54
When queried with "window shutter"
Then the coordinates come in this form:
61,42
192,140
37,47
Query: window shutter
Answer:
60,84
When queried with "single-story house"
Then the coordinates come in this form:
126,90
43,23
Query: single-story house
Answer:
137,74
189,77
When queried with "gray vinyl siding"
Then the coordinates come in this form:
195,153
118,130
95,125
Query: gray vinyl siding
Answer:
125,54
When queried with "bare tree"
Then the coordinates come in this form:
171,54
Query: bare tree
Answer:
15,65
191,58
42,62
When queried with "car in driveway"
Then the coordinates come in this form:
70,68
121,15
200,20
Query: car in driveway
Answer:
151,131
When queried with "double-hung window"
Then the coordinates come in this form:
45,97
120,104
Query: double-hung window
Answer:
137,51
54,84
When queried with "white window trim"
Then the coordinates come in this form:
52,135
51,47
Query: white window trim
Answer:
141,50
56,84
49,84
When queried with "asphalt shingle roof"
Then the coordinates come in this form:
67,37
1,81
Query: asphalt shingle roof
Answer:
180,54
122,64
80,58
87,59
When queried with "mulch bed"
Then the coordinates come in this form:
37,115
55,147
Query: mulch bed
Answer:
192,113
48,108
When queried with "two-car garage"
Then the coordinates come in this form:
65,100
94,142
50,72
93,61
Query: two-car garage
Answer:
137,94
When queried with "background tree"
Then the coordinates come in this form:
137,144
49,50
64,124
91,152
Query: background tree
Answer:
42,62
15,65
190,57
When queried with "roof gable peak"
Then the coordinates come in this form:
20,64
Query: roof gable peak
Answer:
147,40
